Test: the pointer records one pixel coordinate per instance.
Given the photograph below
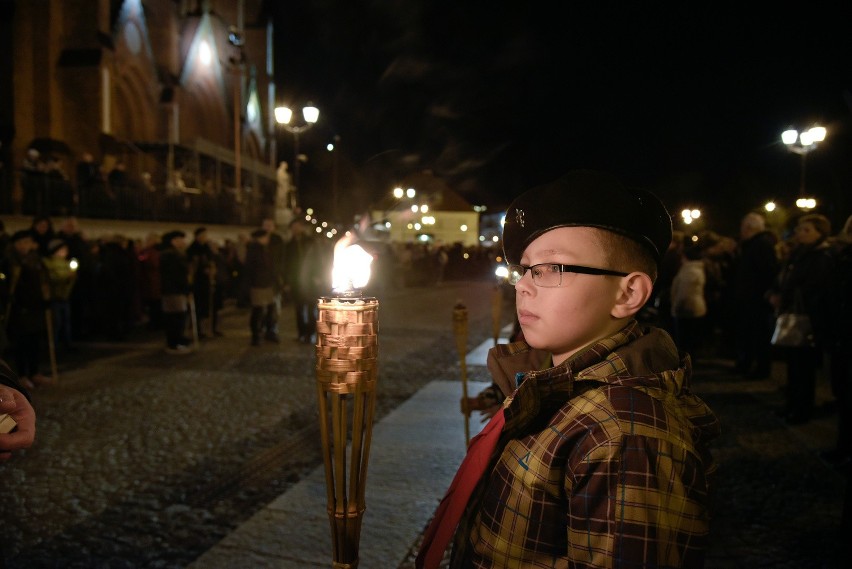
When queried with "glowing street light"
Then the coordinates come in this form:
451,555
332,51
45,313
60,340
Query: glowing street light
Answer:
806,204
284,116
802,143
690,215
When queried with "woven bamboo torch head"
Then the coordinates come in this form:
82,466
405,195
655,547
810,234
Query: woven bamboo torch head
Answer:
346,371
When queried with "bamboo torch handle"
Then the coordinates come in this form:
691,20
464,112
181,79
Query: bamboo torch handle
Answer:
460,330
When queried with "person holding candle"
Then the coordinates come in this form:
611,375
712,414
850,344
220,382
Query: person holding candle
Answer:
598,456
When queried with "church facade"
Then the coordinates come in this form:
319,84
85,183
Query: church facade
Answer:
179,93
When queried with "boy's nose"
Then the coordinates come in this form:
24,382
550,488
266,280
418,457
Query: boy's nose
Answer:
525,285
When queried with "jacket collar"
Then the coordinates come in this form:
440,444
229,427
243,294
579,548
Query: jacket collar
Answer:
633,356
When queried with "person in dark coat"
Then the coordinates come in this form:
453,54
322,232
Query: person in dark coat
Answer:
305,266
276,251
26,293
840,349
806,282
174,287
260,276
116,286
149,280
220,277
757,269
84,292
200,259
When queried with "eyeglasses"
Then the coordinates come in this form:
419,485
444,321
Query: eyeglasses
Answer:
549,275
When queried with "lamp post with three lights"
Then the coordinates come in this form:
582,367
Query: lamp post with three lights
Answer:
802,143
284,116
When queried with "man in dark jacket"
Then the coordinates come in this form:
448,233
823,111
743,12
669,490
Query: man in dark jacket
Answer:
200,259
305,267
756,270
174,286
260,277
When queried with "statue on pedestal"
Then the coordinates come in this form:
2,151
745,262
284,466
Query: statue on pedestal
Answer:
284,197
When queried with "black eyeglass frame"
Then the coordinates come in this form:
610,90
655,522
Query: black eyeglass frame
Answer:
580,269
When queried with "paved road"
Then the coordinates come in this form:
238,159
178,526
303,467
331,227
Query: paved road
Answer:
145,460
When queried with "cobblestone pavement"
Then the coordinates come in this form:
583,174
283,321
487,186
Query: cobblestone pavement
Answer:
145,459
148,460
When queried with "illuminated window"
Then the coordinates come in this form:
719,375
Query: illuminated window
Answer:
204,52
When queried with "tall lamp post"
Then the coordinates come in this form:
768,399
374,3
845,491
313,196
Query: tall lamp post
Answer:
283,116
802,143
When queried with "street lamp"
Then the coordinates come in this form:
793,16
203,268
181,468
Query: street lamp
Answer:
235,38
802,143
283,116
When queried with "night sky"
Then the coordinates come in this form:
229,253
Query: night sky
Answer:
688,102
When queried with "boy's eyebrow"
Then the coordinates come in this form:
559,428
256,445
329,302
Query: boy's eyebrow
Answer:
549,252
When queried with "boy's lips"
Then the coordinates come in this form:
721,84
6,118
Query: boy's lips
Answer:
525,316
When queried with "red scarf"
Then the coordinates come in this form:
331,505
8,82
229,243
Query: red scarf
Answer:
450,510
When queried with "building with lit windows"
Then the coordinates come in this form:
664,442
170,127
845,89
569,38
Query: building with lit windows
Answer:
178,93
425,209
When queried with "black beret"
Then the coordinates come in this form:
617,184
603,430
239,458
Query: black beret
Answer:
21,234
199,231
587,198
259,233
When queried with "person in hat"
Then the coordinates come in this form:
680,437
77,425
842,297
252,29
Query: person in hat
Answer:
598,456
174,288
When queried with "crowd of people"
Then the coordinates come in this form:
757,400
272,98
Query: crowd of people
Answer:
593,403
720,296
61,285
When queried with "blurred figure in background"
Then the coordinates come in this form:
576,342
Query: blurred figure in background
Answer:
757,269
840,348
26,291
260,277
174,286
305,262
199,256
149,281
807,280
689,306
62,275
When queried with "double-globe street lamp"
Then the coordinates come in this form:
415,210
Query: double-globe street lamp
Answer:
802,143
284,116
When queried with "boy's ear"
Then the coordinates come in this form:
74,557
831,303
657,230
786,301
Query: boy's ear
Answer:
634,291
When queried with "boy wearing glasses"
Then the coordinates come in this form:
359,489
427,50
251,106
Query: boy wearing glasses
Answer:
598,455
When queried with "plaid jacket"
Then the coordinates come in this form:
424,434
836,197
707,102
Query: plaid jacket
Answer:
602,462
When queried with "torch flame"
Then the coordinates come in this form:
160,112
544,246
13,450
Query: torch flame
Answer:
351,268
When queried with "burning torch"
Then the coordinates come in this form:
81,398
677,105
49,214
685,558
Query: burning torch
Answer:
347,350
